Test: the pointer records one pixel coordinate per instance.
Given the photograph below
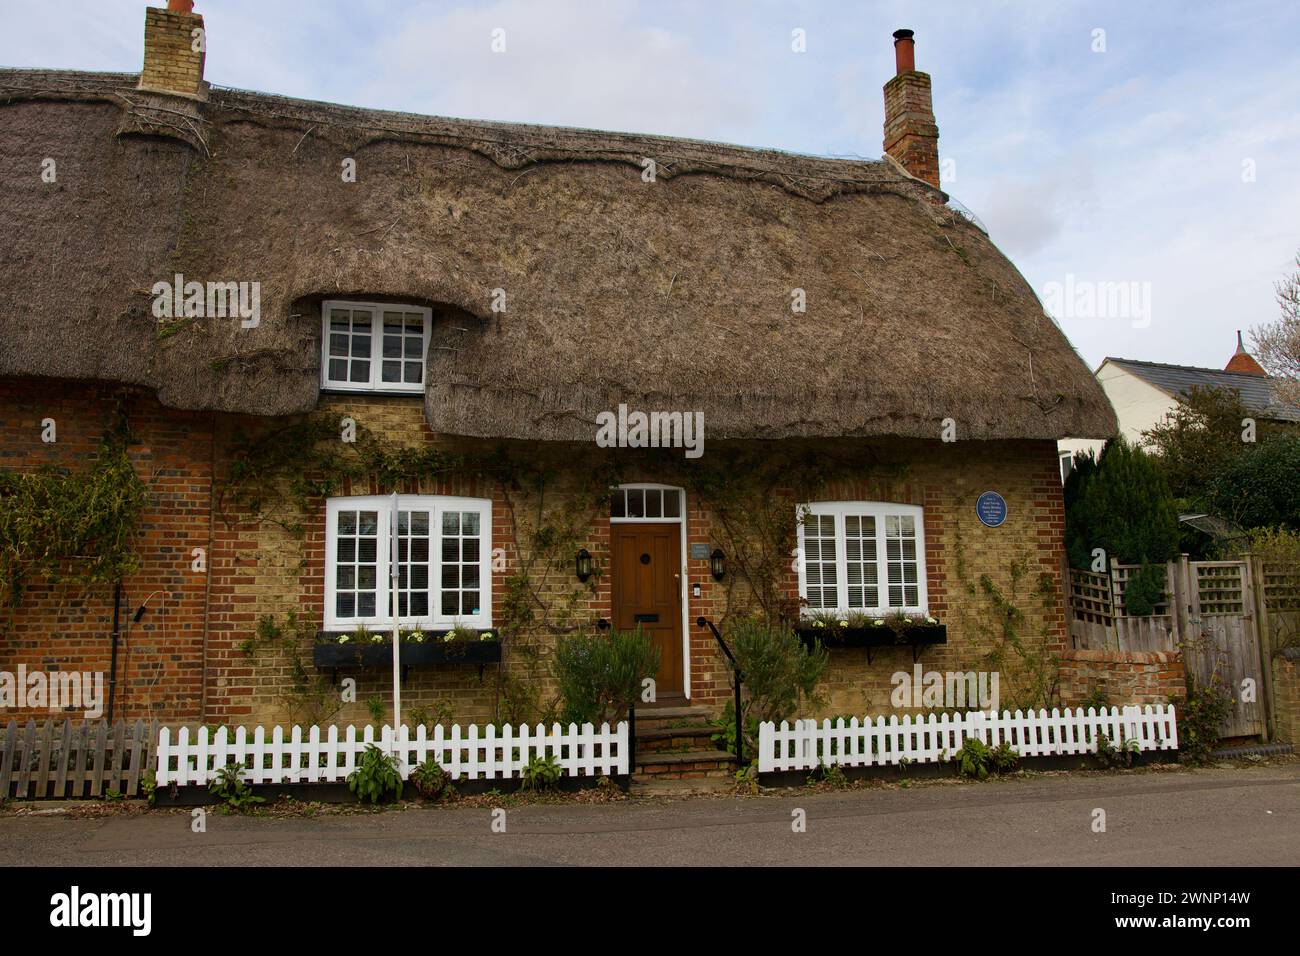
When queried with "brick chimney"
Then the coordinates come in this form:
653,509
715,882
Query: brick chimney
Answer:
1243,362
911,136
171,62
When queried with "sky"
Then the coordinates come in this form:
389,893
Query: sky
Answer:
1152,147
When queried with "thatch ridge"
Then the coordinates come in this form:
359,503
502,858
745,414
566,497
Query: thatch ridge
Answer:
671,295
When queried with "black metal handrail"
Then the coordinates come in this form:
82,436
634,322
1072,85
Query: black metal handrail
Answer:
735,669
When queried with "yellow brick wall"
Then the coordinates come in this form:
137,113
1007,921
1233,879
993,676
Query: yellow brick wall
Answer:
266,569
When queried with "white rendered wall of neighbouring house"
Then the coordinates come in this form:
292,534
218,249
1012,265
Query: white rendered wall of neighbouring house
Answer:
1139,405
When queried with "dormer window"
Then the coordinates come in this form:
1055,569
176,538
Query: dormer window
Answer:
373,346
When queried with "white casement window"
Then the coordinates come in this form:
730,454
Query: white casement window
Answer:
866,556
444,562
374,347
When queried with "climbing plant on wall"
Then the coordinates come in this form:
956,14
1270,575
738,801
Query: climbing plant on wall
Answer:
64,525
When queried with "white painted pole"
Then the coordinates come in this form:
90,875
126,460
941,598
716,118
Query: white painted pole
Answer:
397,637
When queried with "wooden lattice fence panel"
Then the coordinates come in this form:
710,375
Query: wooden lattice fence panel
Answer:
1220,586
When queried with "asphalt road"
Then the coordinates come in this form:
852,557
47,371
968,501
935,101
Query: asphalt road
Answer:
1235,817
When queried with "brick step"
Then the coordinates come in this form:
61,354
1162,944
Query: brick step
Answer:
674,745
657,786
717,777
699,737
674,713
655,717
687,765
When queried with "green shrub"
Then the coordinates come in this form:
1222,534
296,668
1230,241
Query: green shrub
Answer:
1259,488
377,775
1004,758
542,773
780,672
725,736
1199,720
600,675
831,774
973,759
231,789
1122,505
976,759
1145,589
1111,756
432,782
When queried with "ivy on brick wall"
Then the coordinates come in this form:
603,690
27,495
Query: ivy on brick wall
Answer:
752,496
74,526
275,475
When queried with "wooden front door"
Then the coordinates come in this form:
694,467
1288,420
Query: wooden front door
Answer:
645,572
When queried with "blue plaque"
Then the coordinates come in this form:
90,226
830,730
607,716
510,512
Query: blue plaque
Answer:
991,508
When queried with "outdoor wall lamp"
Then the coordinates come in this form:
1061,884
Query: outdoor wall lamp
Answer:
583,565
718,564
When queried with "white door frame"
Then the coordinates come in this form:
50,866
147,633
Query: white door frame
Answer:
681,575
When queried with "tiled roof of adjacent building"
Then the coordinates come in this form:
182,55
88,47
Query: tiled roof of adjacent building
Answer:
1258,393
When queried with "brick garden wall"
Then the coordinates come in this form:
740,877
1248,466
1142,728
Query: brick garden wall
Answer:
1286,694
1125,677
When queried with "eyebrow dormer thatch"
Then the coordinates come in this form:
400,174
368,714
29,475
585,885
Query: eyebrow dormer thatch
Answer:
672,294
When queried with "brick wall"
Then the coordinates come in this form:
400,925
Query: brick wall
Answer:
1018,558
1125,677
66,626
261,565
1286,695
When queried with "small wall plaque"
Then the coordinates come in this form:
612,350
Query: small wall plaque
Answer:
991,508
700,552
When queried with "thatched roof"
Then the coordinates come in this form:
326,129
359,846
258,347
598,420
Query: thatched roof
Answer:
665,295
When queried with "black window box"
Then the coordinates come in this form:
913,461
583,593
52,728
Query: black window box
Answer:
429,653
915,637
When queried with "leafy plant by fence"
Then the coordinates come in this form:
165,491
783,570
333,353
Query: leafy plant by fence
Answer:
936,738
65,759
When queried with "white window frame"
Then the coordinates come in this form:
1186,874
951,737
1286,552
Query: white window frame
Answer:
878,510
435,505
376,384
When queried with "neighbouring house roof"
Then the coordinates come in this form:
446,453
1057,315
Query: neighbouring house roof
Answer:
666,295
1258,393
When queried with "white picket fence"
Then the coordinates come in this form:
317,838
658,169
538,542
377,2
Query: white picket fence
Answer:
933,738
330,756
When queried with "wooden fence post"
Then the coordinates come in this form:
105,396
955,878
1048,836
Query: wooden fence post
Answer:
1257,604
1114,600
1067,592
1182,588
